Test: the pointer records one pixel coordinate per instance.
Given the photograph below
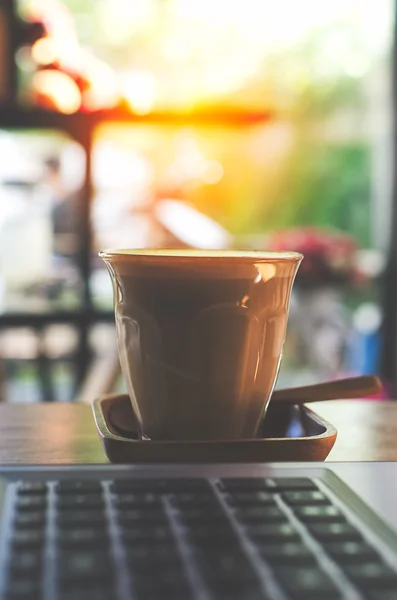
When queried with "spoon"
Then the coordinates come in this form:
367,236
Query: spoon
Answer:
341,389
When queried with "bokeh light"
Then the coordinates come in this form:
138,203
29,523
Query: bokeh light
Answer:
44,51
56,90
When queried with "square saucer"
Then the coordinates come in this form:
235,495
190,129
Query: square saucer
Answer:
288,433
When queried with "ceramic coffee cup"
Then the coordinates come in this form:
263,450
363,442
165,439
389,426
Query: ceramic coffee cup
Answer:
200,337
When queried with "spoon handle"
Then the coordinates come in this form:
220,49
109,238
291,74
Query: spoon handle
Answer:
353,387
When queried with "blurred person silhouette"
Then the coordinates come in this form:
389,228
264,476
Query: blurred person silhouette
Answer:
65,215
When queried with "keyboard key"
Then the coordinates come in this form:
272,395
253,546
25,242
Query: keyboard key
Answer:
272,532
168,593
132,501
334,532
221,569
27,539
79,566
305,497
24,589
149,589
147,513
167,575
369,575
146,534
204,516
294,483
148,554
150,517
319,514
250,499
160,486
80,502
64,488
31,502
36,488
227,562
221,531
252,594
228,572
307,583
166,583
87,538
194,499
291,553
87,518
351,552
224,586
208,544
153,565
29,520
244,484
93,591
26,561
259,514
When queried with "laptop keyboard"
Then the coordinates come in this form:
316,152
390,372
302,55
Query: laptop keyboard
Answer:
181,539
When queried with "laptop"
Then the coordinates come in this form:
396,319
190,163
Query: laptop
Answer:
311,531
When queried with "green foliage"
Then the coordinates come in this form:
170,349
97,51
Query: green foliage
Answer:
325,186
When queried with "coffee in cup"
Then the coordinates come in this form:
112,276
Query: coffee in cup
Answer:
200,337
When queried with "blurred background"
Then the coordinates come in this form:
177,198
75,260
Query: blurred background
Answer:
195,123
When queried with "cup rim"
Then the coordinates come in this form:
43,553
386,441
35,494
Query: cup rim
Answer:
177,254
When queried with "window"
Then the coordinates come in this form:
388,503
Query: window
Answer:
271,120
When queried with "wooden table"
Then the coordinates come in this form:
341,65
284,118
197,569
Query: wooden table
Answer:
65,433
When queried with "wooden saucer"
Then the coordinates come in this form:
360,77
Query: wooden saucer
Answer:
289,433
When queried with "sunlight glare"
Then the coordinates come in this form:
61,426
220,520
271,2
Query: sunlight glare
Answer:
266,271
212,172
356,65
139,91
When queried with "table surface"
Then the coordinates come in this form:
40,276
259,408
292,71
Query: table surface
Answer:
66,433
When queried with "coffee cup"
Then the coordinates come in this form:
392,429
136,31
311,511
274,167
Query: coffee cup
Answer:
200,336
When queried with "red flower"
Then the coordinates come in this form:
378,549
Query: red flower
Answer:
329,256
